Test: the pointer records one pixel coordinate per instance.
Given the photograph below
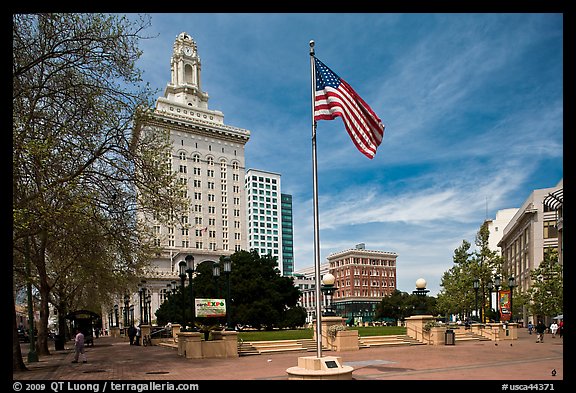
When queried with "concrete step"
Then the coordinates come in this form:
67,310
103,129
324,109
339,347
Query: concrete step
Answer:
394,339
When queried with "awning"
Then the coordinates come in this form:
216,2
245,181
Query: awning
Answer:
554,200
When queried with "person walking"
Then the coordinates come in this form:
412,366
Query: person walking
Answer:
530,327
138,333
79,347
131,334
553,328
540,330
561,328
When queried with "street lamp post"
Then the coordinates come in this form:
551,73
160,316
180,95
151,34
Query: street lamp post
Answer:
116,315
421,292
126,310
328,289
512,285
216,275
497,284
490,285
141,291
149,309
182,275
476,284
227,266
190,270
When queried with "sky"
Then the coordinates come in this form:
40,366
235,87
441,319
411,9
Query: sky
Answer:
472,105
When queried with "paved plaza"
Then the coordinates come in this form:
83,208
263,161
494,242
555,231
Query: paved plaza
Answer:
511,362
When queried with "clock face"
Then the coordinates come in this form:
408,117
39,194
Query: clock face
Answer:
188,50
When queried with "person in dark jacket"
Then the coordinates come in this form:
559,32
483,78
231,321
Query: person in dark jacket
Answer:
131,334
540,330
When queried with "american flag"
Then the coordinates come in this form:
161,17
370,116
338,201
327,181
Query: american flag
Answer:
334,97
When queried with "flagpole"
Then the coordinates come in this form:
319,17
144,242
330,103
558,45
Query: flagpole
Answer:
316,225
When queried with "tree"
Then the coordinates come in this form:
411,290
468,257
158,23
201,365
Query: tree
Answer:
394,306
260,297
546,291
457,295
81,169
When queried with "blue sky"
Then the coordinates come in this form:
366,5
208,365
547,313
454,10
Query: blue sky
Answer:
472,104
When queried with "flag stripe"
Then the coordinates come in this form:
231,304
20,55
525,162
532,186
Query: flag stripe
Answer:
336,98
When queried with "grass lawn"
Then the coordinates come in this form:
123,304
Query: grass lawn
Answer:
297,334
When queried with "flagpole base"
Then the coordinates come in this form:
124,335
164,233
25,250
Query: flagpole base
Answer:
323,368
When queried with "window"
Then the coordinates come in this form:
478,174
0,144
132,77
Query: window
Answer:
550,230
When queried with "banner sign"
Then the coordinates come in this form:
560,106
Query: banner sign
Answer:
504,303
210,308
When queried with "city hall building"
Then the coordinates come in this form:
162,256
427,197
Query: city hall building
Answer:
208,157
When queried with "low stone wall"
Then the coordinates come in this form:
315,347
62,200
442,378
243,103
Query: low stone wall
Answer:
223,345
343,340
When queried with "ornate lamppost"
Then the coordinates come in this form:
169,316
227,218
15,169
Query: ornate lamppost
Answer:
497,285
216,275
149,309
182,275
190,270
126,310
187,267
421,292
328,290
116,315
141,297
227,267
131,314
490,286
512,285
476,284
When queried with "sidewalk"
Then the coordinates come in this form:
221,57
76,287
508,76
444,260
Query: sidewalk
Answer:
114,359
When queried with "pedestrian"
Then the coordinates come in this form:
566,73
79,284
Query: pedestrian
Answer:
79,347
553,328
561,328
530,327
138,333
131,334
540,330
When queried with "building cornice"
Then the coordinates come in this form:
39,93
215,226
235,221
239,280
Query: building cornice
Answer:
206,128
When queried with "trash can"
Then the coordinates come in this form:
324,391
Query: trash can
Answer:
59,342
449,337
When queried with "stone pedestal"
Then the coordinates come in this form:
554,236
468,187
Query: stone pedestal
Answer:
228,340
324,368
415,326
115,331
327,322
175,330
223,345
145,330
190,345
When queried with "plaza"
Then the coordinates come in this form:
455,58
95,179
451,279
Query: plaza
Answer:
514,361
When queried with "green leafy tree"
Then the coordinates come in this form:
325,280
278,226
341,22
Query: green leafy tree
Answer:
400,305
79,170
546,291
395,306
260,297
457,296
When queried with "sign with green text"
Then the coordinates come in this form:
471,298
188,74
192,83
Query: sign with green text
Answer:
210,308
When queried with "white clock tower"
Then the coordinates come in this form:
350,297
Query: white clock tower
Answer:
185,85
208,159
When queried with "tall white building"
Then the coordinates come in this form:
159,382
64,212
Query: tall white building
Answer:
208,157
497,225
264,213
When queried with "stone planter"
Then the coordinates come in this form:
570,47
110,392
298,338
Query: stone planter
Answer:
346,340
